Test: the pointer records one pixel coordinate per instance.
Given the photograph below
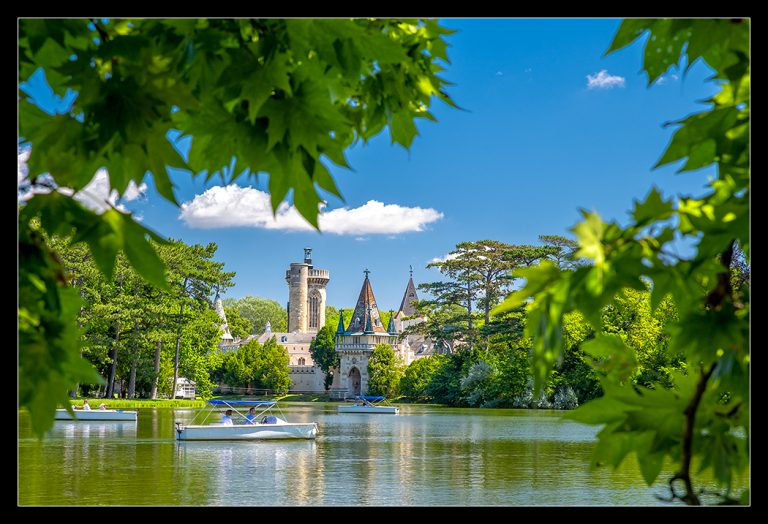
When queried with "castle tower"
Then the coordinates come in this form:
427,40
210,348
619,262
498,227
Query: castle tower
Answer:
306,295
355,344
406,306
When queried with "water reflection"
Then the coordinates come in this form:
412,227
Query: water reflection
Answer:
424,456
84,429
271,472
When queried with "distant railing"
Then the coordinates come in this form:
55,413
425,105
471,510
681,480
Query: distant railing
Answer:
301,369
319,273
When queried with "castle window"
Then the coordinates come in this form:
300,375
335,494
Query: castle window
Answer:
283,339
302,361
313,305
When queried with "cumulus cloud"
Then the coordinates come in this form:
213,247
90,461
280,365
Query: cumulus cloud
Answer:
235,206
449,256
97,195
603,80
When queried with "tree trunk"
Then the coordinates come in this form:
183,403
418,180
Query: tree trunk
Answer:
469,313
132,379
178,341
113,367
156,377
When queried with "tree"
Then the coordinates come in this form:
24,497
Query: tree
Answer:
323,351
417,377
705,417
258,366
563,252
195,277
258,311
443,324
384,371
281,97
480,272
239,327
445,386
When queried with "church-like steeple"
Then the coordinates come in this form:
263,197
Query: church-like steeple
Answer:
391,327
340,329
365,311
406,306
368,326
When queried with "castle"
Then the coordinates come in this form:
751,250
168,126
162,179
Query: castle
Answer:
354,343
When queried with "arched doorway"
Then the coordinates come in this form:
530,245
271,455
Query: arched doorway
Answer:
354,382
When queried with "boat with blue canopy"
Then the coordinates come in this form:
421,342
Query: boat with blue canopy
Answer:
264,424
369,404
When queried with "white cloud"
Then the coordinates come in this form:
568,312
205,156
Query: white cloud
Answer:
449,256
97,195
603,80
235,206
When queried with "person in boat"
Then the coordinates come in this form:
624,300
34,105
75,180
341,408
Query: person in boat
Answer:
103,406
226,420
250,418
86,406
269,419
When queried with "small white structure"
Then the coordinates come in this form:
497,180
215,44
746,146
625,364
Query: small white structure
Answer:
185,388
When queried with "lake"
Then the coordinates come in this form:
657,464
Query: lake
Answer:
422,457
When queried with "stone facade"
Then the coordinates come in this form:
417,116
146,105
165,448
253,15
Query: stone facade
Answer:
306,295
355,343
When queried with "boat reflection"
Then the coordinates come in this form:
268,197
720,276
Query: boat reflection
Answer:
286,466
92,429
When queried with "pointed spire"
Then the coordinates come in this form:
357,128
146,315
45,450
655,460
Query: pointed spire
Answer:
340,329
406,306
368,324
391,327
365,308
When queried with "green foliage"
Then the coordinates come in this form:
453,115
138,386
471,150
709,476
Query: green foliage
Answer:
200,339
445,386
704,416
49,348
417,377
124,319
239,326
323,351
282,98
384,371
259,366
479,274
258,311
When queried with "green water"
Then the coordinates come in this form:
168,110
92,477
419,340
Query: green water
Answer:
423,456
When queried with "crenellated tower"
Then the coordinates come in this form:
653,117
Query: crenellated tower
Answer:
306,295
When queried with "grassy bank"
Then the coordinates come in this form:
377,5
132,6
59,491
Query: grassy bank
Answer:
140,403
290,397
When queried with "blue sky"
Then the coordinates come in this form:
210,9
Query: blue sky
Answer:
534,143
